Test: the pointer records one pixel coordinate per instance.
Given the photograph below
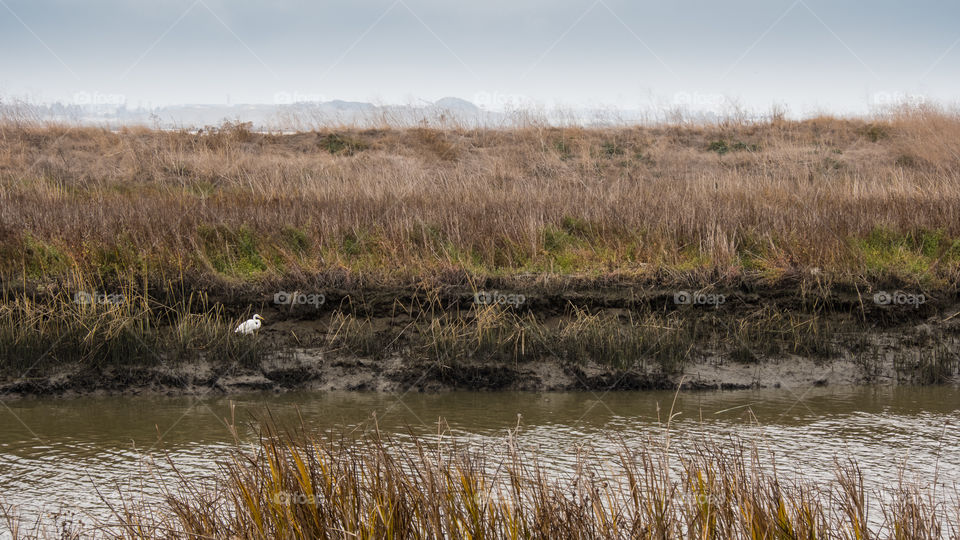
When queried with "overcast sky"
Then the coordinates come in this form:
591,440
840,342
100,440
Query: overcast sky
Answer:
838,56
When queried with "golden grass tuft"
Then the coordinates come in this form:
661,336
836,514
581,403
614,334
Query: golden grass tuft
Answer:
296,485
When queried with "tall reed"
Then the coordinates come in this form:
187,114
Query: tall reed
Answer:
297,485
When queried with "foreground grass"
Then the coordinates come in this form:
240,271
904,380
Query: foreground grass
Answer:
850,200
308,486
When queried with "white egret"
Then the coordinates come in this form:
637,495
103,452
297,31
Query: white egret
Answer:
250,326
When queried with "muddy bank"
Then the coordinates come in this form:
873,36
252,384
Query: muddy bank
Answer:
305,369
619,337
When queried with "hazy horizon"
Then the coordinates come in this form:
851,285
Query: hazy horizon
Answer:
804,55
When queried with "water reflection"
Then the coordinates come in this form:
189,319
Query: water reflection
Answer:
61,452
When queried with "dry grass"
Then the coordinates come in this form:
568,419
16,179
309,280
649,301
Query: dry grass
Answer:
309,486
854,199
162,215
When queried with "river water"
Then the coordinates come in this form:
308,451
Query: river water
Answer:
70,456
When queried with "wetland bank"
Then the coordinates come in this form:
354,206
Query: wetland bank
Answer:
127,257
800,266
619,337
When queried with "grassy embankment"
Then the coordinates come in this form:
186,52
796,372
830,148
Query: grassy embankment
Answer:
198,229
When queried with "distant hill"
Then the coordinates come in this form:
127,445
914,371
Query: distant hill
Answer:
456,104
305,115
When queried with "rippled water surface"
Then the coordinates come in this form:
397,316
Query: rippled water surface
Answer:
70,455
